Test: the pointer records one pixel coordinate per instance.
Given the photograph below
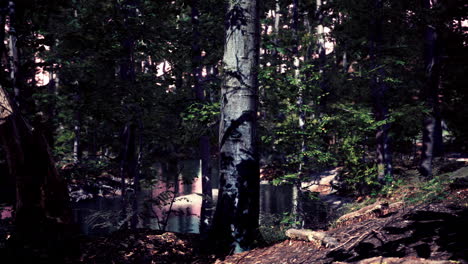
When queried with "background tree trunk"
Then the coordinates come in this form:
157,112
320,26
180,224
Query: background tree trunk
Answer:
432,130
379,90
204,140
13,50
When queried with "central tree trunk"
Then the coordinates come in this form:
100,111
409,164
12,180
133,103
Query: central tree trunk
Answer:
237,212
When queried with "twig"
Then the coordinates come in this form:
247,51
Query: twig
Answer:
346,242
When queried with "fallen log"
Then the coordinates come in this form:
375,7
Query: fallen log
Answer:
317,237
377,209
373,210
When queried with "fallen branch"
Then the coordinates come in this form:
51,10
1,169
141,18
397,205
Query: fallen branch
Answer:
317,237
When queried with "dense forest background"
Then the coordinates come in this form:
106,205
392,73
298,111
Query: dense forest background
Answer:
115,86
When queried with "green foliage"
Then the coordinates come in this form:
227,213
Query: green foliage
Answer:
83,44
289,220
430,191
200,119
202,113
273,227
286,179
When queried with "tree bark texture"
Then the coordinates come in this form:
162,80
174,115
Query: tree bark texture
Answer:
432,131
41,194
237,211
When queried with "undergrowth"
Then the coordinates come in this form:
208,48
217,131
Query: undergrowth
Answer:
411,188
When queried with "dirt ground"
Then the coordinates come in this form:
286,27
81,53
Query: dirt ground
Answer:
436,231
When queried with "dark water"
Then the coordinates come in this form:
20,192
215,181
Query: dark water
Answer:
103,215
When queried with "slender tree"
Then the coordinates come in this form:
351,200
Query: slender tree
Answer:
432,123
204,140
237,212
13,49
379,90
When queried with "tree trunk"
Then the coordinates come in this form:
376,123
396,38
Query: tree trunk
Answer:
432,131
41,194
127,164
296,67
204,141
237,212
77,150
136,177
13,50
321,51
379,90
128,78
276,60
296,210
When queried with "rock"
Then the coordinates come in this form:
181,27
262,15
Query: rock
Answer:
460,173
320,238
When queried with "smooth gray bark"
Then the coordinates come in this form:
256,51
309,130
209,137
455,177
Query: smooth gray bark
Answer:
237,211
297,210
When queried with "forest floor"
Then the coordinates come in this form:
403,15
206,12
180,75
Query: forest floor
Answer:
430,226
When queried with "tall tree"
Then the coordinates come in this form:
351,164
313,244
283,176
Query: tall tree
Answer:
237,212
204,140
41,194
13,49
432,123
379,90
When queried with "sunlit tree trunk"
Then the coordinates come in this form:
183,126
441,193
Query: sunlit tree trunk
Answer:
321,51
77,150
296,66
432,130
275,59
296,210
379,90
237,211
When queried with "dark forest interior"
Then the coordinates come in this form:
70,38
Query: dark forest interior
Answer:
233,131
